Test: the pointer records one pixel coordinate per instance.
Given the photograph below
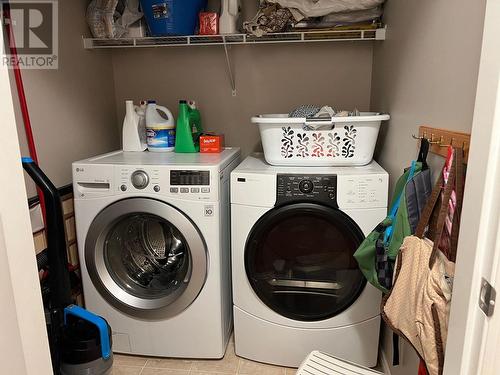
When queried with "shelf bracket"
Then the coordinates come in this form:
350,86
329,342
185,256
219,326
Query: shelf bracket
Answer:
230,72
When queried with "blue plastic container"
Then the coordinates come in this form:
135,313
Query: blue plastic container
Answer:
172,17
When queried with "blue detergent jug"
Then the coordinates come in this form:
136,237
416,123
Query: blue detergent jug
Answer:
172,17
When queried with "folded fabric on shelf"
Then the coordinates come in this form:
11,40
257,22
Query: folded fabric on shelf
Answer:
367,16
319,8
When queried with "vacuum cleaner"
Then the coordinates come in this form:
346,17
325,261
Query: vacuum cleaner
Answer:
80,341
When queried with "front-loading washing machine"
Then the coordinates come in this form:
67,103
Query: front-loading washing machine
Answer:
153,239
296,285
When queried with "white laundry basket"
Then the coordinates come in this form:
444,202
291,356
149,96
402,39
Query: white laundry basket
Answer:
318,363
294,141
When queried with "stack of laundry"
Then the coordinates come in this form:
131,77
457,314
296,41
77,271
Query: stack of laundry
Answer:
311,111
283,15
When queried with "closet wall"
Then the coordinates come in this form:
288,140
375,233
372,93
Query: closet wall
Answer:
424,73
269,79
71,108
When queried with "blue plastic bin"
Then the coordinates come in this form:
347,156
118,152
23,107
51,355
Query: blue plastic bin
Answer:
172,17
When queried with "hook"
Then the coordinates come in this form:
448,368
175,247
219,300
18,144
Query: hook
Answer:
423,137
451,143
433,142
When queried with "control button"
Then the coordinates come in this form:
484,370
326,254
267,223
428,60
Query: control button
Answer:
331,195
123,187
156,188
205,190
195,190
306,186
174,190
140,179
184,190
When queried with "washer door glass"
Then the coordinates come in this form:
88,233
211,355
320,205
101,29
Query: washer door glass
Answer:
147,256
144,255
299,261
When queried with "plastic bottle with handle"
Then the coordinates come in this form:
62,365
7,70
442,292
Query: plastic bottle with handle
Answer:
160,128
230,11
189,128
133,136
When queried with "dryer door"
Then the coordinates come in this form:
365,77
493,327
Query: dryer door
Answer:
145,257
299,261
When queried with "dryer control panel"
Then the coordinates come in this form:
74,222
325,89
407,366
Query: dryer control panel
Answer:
318,187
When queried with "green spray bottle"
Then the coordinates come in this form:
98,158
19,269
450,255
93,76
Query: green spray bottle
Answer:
189,130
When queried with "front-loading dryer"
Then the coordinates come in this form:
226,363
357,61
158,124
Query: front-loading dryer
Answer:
153,239
296,285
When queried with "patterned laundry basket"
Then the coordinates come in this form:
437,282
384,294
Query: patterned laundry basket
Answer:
333,141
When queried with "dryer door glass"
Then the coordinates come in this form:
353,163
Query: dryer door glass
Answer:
146,257
299,261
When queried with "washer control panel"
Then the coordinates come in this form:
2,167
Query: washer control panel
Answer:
185,184
317,187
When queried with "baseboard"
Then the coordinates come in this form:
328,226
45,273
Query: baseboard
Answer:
384,363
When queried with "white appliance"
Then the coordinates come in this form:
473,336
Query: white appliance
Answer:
296,285
153,238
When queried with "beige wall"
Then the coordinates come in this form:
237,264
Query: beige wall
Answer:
269,79
424,73
72,109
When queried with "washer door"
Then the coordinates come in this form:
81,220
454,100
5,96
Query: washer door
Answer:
146,257
299,261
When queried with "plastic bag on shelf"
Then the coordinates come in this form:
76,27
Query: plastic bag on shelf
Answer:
105,21
130,15
270,18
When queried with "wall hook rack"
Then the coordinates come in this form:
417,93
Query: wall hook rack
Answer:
440,139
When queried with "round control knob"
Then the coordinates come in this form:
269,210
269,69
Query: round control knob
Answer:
123,187
156,188
140,179
306,186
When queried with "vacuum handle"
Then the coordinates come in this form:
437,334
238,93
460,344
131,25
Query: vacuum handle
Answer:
96,320
59,281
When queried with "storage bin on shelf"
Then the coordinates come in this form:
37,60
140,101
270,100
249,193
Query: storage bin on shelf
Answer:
346,141
172,17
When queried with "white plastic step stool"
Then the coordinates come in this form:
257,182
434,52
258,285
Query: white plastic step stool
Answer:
318,363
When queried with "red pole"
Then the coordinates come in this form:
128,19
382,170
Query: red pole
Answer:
22,98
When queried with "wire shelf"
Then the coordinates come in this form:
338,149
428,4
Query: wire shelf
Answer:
234,39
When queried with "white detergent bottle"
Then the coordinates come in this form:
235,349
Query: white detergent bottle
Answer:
133,137
230,12
160,128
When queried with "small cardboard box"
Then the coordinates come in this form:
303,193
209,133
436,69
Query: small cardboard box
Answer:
211,143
